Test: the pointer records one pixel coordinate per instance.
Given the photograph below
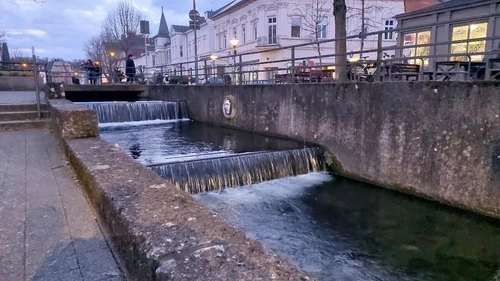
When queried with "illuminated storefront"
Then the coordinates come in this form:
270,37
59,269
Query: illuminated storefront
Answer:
454,31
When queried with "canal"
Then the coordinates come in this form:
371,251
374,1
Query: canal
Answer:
331,228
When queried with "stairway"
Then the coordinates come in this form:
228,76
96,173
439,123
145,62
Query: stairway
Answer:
22,116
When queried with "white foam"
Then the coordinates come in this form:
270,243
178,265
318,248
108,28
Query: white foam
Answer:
141,123
273,190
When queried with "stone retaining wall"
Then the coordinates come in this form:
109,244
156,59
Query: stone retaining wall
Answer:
438,140
162,233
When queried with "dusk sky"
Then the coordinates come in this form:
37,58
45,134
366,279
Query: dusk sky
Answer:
59,28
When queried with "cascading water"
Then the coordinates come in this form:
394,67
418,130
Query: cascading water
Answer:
237,170
108,112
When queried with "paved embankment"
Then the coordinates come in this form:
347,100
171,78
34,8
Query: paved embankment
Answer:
47,228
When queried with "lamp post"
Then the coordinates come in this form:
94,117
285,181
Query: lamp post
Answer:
213,58
194,16
234,44
112,69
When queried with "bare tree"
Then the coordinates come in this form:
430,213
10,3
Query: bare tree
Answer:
361,29
315,21
340,11
94,48
121,26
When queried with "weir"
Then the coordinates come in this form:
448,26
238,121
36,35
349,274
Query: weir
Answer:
108,112
238,170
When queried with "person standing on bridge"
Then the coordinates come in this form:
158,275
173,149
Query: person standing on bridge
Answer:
130,69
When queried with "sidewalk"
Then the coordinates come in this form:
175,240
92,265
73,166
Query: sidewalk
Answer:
47,228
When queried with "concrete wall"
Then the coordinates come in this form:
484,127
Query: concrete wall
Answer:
437,140
18,83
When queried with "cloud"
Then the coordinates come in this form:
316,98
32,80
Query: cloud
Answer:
28,32
59,28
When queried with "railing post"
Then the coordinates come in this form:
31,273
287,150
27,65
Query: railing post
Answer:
205,70
37,87
240,69
293,64
379,56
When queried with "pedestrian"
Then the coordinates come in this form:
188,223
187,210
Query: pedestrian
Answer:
130,69
90,68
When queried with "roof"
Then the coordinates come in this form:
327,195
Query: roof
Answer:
227,7
448,4
180,28
163,28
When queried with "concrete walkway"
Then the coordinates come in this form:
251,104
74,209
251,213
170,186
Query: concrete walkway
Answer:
47,228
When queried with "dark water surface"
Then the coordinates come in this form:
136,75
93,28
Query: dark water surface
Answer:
178,141
338,229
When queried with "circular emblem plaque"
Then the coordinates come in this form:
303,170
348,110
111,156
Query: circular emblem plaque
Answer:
228,107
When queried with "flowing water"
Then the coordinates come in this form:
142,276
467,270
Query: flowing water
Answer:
197,157
337,229
333,229
108,112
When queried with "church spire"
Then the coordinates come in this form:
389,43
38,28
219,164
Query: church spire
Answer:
163,28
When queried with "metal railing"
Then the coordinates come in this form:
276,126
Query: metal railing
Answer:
379,62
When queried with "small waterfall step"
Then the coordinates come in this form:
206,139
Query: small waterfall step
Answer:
237,170
109,112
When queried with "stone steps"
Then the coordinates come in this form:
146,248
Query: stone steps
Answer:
21,107
23,124
22,116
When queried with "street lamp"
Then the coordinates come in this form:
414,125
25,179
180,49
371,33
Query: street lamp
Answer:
111,68
234,43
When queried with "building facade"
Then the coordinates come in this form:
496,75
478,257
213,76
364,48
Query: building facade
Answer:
468,22
262,28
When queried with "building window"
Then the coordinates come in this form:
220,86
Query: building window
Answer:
388,26
181,51
469,32
321,28
219,41
295,32
235,34
417,38
271,30
244,33
153,58
255,34
225,41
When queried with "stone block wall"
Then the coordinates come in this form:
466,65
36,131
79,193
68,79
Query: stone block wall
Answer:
437,140
73,121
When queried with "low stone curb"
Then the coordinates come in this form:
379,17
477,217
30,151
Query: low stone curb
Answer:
162,233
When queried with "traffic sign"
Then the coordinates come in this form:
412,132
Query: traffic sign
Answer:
194,15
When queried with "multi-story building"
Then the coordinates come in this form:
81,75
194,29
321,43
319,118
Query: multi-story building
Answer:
266,25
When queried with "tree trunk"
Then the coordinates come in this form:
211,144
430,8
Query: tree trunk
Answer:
339,11
362,29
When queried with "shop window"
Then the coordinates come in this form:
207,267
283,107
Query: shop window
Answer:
469,32
417,38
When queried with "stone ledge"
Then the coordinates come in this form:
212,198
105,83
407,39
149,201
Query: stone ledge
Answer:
73,121
162,233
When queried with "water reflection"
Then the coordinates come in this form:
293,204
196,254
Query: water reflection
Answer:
187,140
346,230
135,150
